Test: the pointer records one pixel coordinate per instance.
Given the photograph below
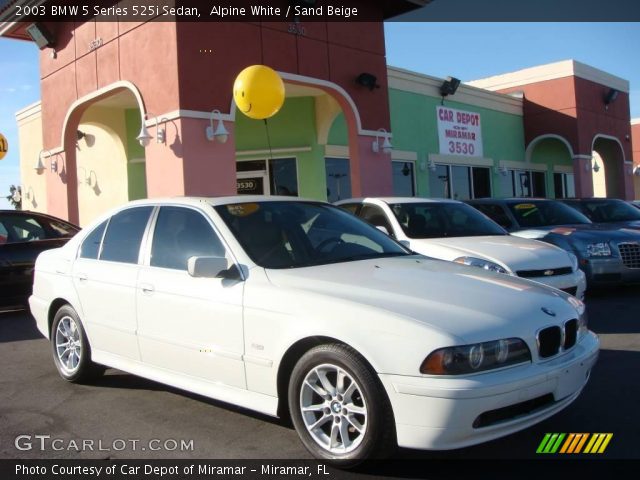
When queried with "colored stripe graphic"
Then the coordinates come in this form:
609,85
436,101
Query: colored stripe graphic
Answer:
574,443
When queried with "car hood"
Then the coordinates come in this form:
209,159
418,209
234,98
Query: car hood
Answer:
594,232
515,253
466,302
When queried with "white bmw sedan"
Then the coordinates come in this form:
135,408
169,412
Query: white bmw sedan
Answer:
298,308
454,231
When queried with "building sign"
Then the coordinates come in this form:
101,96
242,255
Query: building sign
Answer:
459,132
4,146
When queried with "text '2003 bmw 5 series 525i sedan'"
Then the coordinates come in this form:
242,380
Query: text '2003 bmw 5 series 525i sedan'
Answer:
293,307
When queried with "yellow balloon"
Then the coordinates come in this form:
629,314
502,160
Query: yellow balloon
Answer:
258,92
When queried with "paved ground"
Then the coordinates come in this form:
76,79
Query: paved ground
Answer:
35,401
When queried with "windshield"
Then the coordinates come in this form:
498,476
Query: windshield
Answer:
609,211
545,213
435,220
283,234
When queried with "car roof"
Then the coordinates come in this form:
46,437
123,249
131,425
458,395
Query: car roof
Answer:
36,214
397,200
509,200
215,201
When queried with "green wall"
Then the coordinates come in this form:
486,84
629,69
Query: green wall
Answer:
550,152
137,179
415,129
293,126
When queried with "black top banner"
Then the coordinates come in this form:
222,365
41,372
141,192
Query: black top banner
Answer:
320,10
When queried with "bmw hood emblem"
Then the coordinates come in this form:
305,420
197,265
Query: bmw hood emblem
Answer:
548,311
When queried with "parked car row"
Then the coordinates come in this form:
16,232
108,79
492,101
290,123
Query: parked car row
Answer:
298,308
366,339
451,230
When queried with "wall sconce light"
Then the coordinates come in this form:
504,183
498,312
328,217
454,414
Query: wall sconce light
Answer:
144,138
80,135
40,35
501,170
636,171
449,86
610,97
16,195
596,167
367,80
220,133
432,166
39,166
386,144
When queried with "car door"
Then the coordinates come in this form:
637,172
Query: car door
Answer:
188,325
105,276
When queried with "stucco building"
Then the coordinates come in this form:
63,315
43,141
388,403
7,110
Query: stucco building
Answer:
553,131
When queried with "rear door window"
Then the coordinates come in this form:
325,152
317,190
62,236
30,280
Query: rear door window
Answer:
124,233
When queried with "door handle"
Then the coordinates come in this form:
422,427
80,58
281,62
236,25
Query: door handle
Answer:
147,288
82,277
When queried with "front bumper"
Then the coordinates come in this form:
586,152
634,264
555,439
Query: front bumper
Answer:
608,271
576,280
437,413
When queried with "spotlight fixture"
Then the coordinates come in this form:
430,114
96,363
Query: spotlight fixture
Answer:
220,133
432,166
449,86
610,97
367,80
386,144
42,37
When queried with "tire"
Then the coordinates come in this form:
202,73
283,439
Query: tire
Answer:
73,363
356,406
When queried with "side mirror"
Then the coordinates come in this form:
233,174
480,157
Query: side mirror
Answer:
383,229
207,267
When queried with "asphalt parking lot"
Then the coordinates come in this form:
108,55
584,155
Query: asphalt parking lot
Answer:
120,408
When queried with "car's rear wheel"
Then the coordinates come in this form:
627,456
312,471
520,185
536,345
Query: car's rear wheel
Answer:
71,351
339,408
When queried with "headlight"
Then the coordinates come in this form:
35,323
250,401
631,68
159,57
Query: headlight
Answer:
475,358
574,261
600,249
581,310
485,264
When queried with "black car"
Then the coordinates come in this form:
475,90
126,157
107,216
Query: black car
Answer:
23,235
606,254
612,211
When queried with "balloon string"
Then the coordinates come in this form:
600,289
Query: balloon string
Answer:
266,127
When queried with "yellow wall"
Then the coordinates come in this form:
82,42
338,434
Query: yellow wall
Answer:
101,158
599,177
30,144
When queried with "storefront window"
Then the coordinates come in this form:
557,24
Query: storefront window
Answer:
403,179
283,176
526,183
564,185
439,182
338,179
460,182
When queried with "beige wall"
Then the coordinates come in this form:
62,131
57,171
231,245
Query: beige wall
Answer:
34,185
599,177
102,162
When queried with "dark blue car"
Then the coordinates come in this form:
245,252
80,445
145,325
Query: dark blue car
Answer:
612,211
606,254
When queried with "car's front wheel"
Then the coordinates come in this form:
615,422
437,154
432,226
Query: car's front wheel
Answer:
71,351
339,408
